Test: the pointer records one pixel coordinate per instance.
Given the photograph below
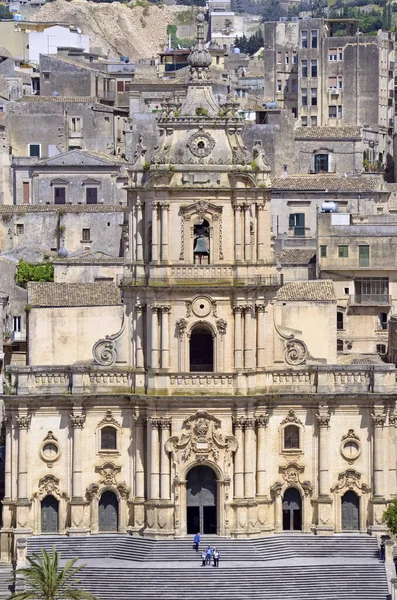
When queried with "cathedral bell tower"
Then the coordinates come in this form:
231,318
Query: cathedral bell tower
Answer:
199,267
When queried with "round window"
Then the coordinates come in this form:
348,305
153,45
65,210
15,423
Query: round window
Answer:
350,450
50,451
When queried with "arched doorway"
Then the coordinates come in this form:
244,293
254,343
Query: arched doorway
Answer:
201,500
108,513
201,349
292,510
350,511
49,515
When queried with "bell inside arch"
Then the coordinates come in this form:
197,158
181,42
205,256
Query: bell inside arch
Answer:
200,246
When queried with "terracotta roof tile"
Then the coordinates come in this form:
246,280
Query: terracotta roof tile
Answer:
21,209
303,291
328,181
296,256
73,294
328,133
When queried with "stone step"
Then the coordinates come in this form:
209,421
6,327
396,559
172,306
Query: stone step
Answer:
352,582
6,581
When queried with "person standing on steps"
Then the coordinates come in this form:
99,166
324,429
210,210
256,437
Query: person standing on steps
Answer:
196,541
208,555
203,559
216,556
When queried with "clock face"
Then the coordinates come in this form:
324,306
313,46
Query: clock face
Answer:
201,144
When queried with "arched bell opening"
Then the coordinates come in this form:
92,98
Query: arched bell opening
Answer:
108,512
201,346
201,242
292,510
49,515
201,501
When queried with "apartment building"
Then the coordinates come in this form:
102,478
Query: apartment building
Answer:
328,79
357,252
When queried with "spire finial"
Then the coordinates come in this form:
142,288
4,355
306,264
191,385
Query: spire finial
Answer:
199,58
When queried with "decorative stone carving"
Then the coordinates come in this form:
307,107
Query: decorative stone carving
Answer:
77,421
108,419
108,472
181,325
295,352
92,491
23,421
221,326
291,473
323,419
350,480
140,150
241,156
49,485
201,306
49,450
123,490
104,351
200,144
262,420
202,441
291,418
378,419
276,489
350,447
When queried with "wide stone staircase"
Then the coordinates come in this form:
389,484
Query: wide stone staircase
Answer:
287,567
6,584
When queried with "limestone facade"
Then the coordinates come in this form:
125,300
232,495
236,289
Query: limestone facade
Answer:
205,396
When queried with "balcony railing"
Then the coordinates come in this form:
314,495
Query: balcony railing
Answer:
370,300
308,379
18,336
107,95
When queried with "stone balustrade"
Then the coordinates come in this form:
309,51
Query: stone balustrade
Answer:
313,379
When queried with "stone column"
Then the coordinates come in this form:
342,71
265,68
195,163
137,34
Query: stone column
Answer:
165,428
249,457
139,459
8,457
165,337
140,360
248,338
237,233
260,335
164,232
23,422
155,233
77,422
261,231
247,233
239,459
153,440
238,346
323,449
155,352
181,327
392,478
378,460
139,231
261,460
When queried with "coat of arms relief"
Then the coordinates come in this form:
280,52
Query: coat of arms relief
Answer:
201,442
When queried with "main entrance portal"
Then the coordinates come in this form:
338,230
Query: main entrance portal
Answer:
292,510
201,500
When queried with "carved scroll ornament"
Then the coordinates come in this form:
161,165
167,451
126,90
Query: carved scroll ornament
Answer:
104,351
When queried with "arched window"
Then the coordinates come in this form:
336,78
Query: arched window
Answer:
108,438
201,349
291,437
201,242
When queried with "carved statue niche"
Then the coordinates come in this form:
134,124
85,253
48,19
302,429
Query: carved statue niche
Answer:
202,442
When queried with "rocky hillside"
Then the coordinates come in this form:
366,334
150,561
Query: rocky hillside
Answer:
121,29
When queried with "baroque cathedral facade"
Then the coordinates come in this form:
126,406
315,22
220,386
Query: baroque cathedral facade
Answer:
200,393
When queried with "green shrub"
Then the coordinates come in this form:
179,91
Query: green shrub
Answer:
27,271
390,517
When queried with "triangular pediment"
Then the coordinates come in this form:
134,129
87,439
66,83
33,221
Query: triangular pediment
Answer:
76,158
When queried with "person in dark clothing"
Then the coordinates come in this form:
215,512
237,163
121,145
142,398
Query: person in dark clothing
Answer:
196,541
